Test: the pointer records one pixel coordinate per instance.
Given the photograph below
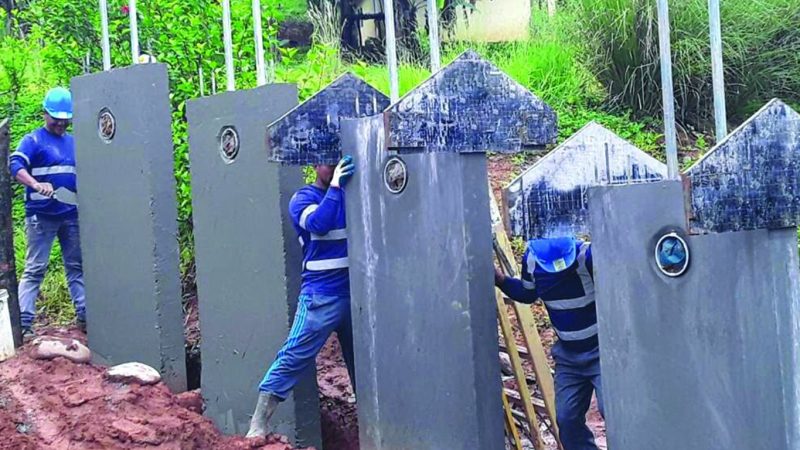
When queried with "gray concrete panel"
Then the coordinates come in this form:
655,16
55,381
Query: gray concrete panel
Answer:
708,360
248,259
128,218
424,318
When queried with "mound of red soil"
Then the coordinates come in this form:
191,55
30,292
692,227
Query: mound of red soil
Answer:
58,404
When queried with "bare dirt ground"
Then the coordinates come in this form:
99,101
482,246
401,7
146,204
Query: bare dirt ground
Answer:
58,404
336,398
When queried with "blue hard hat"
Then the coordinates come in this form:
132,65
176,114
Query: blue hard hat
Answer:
58,103
672,252
554,254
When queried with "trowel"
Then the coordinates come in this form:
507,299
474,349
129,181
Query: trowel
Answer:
61,194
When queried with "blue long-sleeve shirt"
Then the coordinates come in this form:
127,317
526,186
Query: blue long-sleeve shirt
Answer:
568,296
49,158
318,217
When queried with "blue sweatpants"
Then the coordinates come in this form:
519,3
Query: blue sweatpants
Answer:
577,376
316,318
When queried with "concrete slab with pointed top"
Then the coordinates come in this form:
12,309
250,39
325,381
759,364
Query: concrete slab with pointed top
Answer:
549,199
750,180
309,133
470,106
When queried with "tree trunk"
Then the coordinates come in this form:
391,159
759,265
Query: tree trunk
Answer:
8,272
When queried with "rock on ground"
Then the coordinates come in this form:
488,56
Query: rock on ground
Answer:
133,372
47,347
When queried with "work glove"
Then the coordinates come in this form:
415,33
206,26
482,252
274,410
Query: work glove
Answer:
344,170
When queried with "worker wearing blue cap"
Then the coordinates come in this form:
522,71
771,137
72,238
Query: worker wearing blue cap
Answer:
559,271
45,163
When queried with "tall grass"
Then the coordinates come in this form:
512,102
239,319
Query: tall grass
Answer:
761,46
548,62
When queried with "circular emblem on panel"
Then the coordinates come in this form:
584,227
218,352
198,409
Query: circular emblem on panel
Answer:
106,125
228,144
672,255
395,175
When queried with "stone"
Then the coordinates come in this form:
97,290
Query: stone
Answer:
133,372
52,347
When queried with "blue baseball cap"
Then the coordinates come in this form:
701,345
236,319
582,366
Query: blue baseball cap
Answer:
58,103
554,254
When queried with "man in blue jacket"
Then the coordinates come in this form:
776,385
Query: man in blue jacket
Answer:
45,163
559,271
318,216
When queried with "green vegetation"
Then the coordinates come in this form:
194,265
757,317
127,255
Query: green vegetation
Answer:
596,60
293,9
761,46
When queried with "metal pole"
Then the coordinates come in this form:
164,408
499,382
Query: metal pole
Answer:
134,31
261,73
433,34
551,8
226,37
391,50
8,273
104,41
717,72
667,94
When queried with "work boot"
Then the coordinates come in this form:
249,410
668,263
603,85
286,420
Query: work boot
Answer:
266,406
27,334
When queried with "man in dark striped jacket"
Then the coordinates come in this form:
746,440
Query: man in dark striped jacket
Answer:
559,271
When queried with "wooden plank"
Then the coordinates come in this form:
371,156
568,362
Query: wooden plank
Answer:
519,373
520,349
527,322
511,425
537,402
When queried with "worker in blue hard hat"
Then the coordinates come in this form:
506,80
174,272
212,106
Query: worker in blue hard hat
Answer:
45,163
559,271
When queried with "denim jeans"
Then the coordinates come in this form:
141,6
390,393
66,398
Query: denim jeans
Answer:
41,232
